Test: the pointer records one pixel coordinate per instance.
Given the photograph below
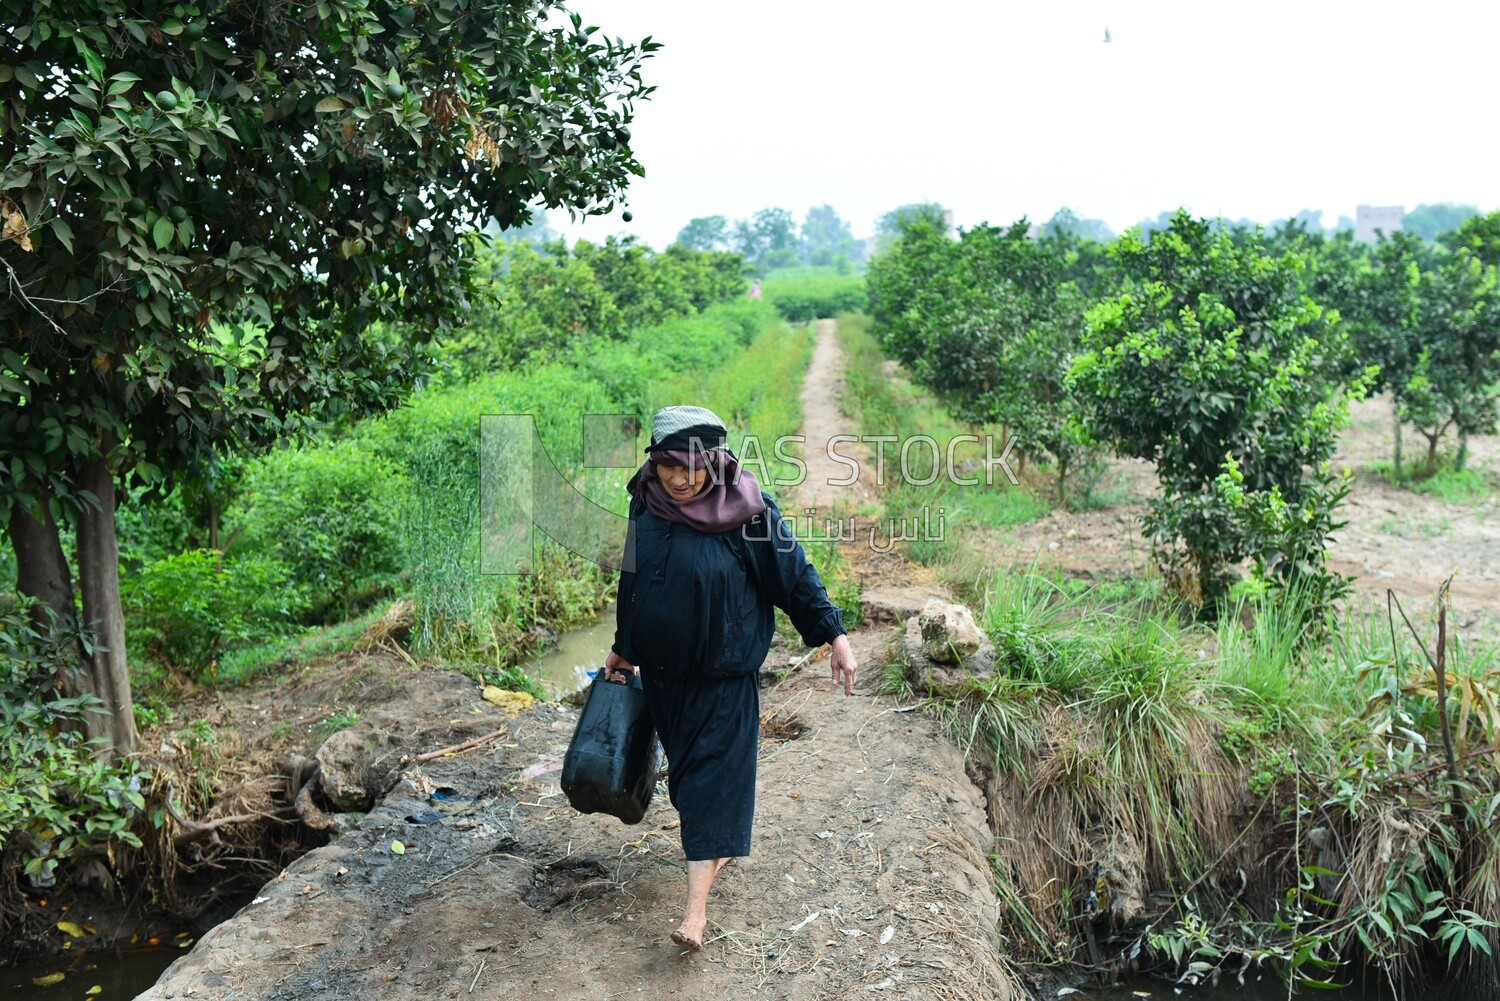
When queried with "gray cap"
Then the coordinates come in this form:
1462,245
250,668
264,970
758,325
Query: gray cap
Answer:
678,428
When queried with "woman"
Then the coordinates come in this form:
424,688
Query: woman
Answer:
711,557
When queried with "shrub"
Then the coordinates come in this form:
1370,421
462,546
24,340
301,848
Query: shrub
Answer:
815,297
185,610
329,512
538,306
56,798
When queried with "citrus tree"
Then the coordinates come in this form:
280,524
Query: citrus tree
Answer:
1452,383
988,323
1213,365
1381,307
207,209
1478,234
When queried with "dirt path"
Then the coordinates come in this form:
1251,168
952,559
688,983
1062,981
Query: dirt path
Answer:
868,874
826,486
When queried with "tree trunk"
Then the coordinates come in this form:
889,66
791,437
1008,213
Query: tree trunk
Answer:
1432,442
1397,477
99,577
1462,459
42,573
41,568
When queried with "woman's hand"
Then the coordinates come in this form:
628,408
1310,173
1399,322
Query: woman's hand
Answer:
843,663
617,667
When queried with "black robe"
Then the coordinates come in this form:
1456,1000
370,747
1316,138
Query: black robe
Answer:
696,615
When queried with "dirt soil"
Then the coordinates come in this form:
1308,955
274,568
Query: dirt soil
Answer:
1394,538
868,875
822,487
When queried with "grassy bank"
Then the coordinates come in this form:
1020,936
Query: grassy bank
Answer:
1210,797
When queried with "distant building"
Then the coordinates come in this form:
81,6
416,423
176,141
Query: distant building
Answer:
1372,220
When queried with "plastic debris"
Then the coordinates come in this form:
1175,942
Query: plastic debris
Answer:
511,702
804,922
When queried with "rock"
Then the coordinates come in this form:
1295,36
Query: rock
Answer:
1119,875
344,772
894,604
948,632
929,677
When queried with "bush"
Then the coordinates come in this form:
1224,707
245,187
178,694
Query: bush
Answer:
329,512
539,305
813,298
56,798
1213,365
185,610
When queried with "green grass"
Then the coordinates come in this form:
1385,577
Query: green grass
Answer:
238,667
1455,486
1452,486
814,296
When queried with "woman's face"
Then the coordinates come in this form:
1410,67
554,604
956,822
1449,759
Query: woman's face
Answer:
681,482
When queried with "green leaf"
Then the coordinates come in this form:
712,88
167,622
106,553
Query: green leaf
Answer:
397,848
91,59
161,233
329,104
64,233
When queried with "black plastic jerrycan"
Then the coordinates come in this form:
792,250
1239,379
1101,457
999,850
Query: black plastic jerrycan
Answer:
611,765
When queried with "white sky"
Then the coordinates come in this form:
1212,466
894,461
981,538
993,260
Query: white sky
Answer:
1001,109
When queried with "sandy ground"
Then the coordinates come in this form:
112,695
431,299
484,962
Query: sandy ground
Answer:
1394,538
868,875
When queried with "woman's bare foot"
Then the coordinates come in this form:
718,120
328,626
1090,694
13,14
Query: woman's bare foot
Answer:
701,877
689,934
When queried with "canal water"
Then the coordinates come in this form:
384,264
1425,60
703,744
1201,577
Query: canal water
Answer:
565,668
1267,987
119,974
